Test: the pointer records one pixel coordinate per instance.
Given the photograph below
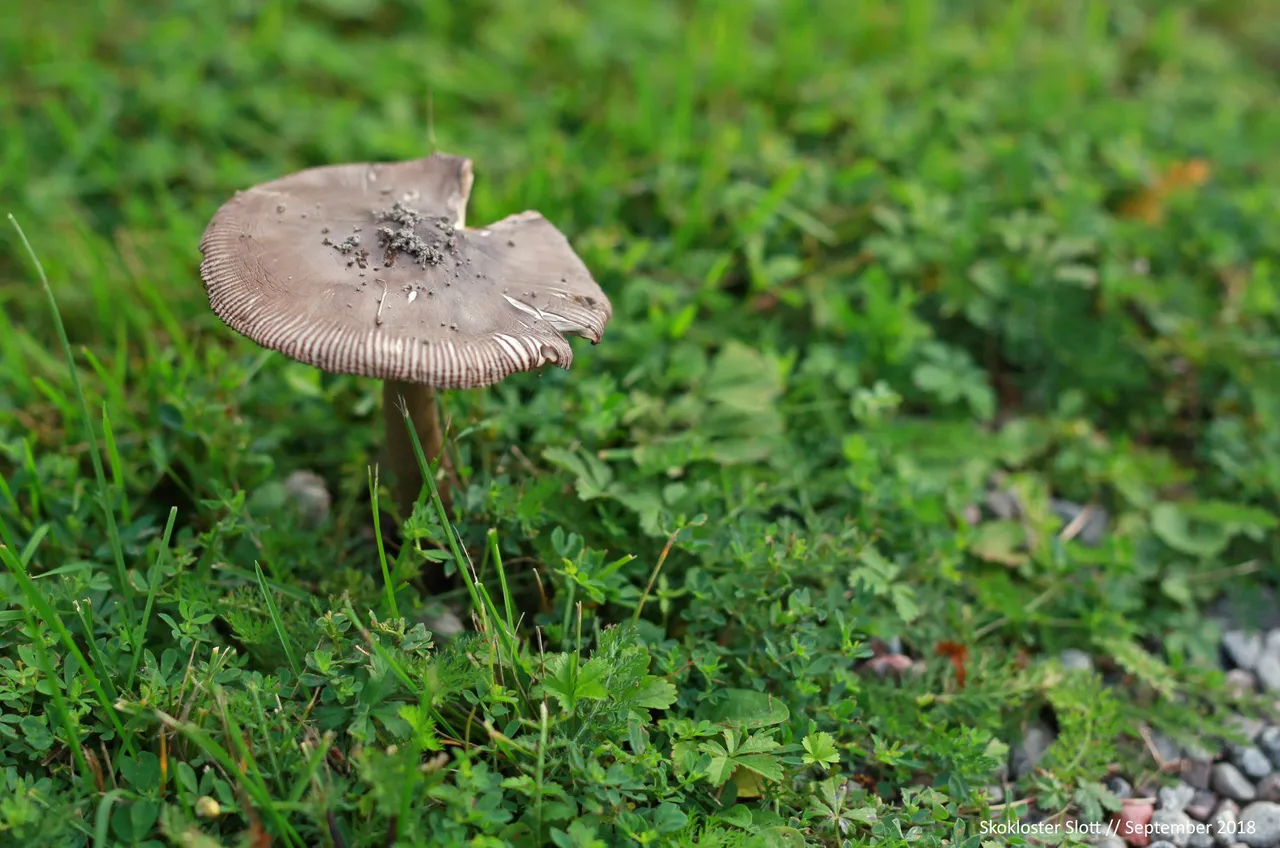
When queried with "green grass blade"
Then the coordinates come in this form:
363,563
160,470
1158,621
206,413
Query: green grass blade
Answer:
275,620
153,583
91,437
387,585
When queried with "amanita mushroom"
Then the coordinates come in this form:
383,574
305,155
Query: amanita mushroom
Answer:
367,269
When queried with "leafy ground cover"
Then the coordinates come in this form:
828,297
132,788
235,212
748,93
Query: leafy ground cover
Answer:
794,557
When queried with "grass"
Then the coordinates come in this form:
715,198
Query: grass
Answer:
877,270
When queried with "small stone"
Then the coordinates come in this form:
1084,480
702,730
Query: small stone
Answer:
1164,843
1260,825
1131,823
1202,838
1242,649
1095,523
307,493
1271,642
1197,772
1196,750
1245,726
1241,683
1003,505
1251,762
442,623
1107,842
1176,827
1269,788
1268,671
1175,798
1223,823
1035,742
1165,749
995,794
1201,806
1227,780
1120,787
1269,743
1073,659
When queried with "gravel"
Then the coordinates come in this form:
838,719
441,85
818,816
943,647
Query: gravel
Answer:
1242,649
1035,742
1223,823
1202,806
1268,671
1269,743
1251,762
1120,787
1269,788
1176,798
1227,780
1176,827
1260,824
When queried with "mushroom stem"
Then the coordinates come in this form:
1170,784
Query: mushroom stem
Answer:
402,462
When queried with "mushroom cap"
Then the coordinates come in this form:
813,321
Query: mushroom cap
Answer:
366,269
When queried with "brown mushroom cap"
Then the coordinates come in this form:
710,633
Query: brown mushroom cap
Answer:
365,269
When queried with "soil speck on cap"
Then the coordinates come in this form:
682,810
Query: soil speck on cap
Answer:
511,244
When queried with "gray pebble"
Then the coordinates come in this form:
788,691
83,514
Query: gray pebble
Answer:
1251,762
1201,806
1201,838
1035,742
1269,788
1164,843
1197,773
1176,827
307,493
1241,683
1223,824
1271,642
1095,523
995,793
1227,780
1242,649
1260,825
442,623
1075,660
1108,842
1269,743
1003,505
1119,787
1268,671
1165,748
1176,798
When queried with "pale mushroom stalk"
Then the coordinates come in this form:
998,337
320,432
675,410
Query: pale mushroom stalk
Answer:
367,269
402,460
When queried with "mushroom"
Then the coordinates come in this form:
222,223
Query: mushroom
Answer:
367,269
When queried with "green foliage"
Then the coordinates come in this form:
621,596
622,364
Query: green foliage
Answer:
889,283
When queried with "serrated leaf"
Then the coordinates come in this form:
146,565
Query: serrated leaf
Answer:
655,694
761,764
747,709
